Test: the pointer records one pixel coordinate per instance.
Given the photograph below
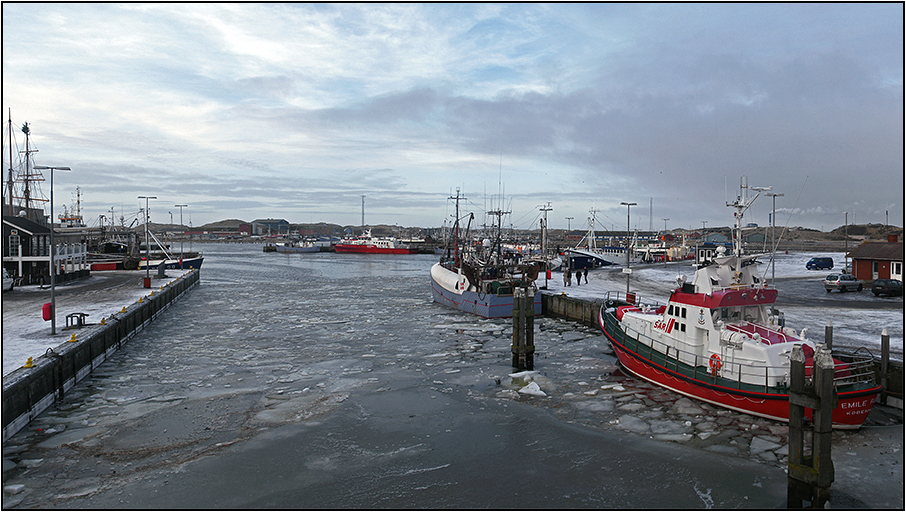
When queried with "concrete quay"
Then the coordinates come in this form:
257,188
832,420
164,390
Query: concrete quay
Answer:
30,390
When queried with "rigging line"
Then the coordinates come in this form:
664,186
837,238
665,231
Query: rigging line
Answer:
777,243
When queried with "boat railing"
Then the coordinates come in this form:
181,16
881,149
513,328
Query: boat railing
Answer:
632,298
737,374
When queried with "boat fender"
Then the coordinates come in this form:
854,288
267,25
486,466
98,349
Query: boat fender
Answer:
714,364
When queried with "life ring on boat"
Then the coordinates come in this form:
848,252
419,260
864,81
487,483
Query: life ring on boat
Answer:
715,364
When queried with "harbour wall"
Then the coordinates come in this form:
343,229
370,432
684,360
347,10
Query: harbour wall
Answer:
29,391
585,312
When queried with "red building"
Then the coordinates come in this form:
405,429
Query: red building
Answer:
878,260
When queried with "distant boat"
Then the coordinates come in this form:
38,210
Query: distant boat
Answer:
603,256
368,244
174,262
482,282
297,246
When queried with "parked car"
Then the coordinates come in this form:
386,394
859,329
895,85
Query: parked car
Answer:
7,281
890,287
820,263
842,282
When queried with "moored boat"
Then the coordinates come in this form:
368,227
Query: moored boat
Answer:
718,339
484,283
368,244
296,247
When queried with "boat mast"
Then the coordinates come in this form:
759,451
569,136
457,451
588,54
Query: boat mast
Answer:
742,204
9,182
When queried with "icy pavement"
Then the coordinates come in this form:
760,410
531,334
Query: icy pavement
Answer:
26,333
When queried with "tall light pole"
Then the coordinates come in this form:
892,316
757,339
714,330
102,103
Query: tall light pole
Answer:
845,238
773,196
53,250
182,238
665,241
627,269
147,242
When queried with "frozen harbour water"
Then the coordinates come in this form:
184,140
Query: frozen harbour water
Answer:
333,381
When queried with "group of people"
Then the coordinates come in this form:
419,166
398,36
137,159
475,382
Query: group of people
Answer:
567,276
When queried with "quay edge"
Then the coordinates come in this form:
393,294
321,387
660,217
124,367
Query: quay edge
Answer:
585,312
27,392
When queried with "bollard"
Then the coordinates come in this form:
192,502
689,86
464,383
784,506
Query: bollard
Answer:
829,335
809,477
885,364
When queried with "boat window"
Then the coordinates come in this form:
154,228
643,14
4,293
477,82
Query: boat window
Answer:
724,313
670,311
682,327
683,315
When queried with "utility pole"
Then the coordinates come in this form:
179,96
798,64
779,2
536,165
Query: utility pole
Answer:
182,238
568,229
627,270
773,225
665,241
53,250
363,211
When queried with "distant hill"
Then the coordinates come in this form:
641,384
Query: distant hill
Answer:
222,224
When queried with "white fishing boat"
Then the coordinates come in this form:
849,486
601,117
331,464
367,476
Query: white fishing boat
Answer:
719,339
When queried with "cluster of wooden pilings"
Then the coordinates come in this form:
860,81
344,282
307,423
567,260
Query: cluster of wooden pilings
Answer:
524,329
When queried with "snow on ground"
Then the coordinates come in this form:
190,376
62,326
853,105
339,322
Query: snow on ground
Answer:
26,333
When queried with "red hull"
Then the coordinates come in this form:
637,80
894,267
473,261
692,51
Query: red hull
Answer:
371,249
852,407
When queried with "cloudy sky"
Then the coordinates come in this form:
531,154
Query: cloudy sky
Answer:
295,111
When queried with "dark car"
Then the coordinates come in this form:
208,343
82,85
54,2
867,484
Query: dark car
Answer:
820,263
890,287
842,282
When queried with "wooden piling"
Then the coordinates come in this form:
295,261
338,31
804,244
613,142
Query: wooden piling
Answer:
885,364
811,474
523,329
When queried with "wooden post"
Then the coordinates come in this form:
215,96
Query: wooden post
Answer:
528,306
518,331
810,476
829,335
523,329
885,364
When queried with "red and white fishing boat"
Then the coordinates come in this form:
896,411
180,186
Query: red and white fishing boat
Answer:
365,243
719,340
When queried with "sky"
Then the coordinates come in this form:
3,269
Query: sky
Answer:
295,111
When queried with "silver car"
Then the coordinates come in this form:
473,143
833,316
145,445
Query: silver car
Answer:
842,282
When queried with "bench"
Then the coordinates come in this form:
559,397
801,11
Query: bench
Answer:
75,319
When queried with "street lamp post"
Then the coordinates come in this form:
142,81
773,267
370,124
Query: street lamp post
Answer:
182,238
665,241
773,196
147,242
627,270
53,250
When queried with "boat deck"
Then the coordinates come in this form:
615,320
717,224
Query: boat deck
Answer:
768,336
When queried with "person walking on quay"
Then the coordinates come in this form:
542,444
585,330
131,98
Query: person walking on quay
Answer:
578,276
586,275
567,277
